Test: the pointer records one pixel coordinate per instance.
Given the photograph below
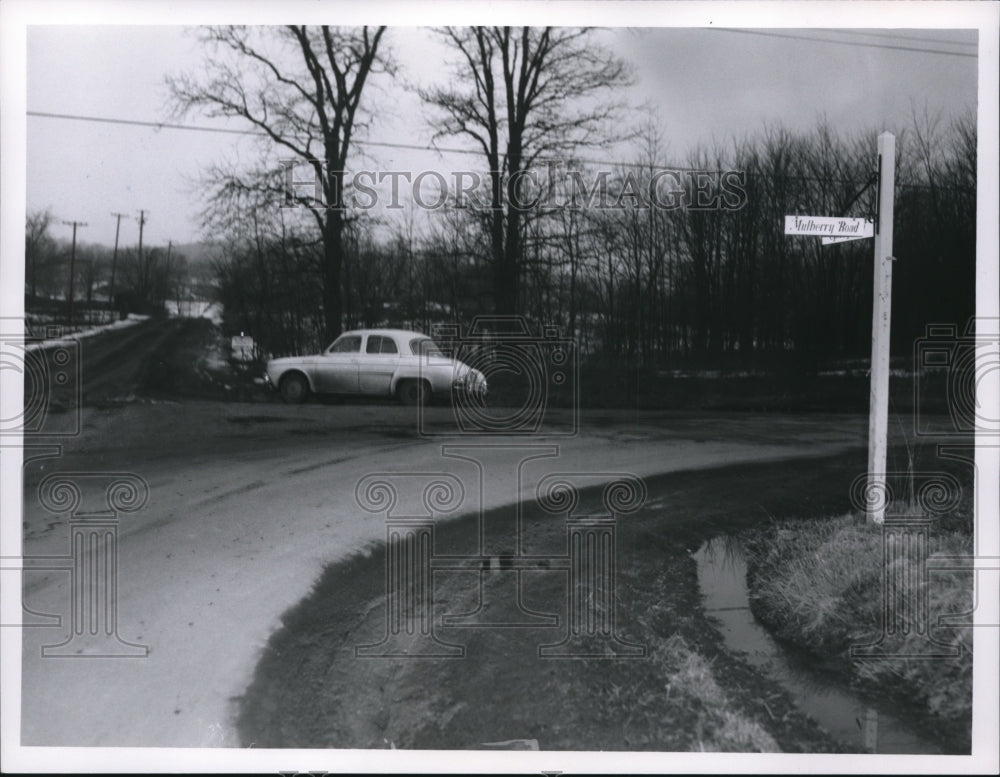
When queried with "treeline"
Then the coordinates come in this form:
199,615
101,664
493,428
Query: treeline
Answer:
104,286
649,285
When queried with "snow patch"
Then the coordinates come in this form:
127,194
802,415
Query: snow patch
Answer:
67,339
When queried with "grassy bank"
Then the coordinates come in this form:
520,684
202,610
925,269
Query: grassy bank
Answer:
818,584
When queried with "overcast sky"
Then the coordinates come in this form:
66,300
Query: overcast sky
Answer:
704,84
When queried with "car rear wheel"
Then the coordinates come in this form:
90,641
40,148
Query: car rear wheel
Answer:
413,392
294,389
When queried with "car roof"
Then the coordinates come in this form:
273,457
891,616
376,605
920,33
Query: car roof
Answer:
394,333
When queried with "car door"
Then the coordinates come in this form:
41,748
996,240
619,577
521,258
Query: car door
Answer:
378,365
337,370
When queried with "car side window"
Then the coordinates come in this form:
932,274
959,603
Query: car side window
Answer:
349,344
380,344
424,346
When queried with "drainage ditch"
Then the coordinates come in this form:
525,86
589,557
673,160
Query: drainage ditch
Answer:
854,721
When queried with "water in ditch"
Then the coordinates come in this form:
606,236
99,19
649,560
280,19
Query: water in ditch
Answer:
850,719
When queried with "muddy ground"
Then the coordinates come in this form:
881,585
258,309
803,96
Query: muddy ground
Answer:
311,690
252,575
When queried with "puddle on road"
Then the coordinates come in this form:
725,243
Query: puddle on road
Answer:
856,723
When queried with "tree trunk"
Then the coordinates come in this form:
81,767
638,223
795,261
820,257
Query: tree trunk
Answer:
333,252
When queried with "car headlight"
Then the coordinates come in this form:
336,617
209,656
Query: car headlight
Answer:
463,380
477,382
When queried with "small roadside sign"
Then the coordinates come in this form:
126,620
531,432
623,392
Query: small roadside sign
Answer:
829,227
241,347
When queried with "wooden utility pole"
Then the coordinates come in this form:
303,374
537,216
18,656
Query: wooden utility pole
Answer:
140,266
72,266
878,418
142,222
837,229
114,263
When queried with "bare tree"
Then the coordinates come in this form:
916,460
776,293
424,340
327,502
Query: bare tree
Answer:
38,247
301,87
268,277
522,93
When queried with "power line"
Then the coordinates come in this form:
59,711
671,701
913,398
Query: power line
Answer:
895,36
196,128
380,144
415,147
813,39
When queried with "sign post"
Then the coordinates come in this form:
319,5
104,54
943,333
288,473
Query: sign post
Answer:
839,229
878,416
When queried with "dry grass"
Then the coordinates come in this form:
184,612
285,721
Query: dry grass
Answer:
819,583
689,686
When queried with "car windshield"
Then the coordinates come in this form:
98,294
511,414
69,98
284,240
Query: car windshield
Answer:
424,346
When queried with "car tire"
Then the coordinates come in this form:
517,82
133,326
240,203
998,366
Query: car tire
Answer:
413,392
294,389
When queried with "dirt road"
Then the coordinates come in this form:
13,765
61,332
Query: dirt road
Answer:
249,502
245,510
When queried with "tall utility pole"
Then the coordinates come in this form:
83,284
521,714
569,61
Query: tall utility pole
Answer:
141,268
72,266
878,418
114,263
167,272
142,221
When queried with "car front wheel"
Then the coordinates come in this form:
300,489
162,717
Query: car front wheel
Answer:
294,389
413,392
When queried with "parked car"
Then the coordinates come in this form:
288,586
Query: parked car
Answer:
376,362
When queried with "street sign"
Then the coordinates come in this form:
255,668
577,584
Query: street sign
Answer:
829,241
829,226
